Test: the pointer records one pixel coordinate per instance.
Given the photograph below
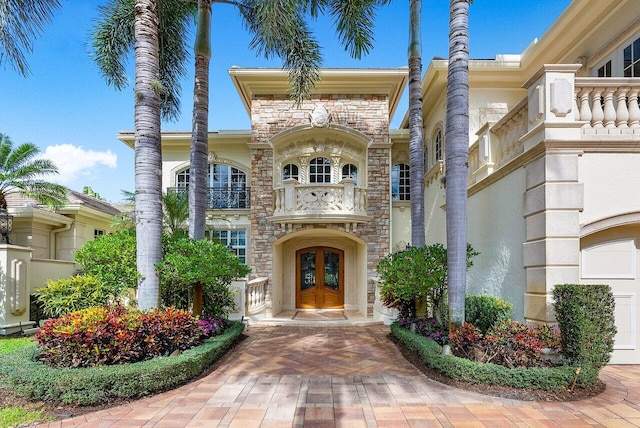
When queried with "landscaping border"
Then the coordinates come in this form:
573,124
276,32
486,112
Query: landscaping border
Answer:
547,379
26,376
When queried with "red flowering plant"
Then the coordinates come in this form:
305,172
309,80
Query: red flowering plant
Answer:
107,335
509,343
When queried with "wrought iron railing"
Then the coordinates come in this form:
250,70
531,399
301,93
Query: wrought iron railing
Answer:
217,198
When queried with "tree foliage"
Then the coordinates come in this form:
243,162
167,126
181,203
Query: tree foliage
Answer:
190,263
22,171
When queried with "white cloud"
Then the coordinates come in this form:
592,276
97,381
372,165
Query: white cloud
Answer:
74,162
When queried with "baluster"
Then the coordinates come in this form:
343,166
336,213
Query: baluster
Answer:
622,113
596,109
278,201
609,110
634,109
585,108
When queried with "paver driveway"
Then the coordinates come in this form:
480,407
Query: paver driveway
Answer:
350,376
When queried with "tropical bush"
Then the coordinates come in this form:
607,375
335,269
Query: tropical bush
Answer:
107,335
485,311
75,293
112,259
585,315
428,327
545,378
24,373
417,277
509,344
189,265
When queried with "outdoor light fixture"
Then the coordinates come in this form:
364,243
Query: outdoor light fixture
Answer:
6,224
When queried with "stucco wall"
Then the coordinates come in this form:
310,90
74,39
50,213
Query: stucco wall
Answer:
497,230
608,178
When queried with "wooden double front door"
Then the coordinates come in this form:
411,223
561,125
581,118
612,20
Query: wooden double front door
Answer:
320,278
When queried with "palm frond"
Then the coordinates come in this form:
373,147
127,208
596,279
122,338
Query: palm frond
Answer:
112,41
21,21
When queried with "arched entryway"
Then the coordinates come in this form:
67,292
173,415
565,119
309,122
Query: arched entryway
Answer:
320,278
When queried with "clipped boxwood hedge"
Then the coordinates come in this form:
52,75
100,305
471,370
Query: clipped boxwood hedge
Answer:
25,375
548,379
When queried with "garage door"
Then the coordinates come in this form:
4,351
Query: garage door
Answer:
611,257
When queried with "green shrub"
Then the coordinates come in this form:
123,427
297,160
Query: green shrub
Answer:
547,378
585,314
113,335
485,311
78,292
189,263
24,373
417,274
112,258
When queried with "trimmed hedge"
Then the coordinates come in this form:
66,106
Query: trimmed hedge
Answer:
586,316
485,311
24,374
548,379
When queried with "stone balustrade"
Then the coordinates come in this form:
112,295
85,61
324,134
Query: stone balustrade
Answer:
255,296
608,105
332,203
603,108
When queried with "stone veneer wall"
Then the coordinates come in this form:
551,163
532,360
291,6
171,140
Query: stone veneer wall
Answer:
271,115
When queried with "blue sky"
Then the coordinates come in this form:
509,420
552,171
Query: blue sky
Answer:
65,107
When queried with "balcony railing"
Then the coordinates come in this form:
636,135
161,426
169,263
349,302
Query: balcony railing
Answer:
329,203
561,109
221,198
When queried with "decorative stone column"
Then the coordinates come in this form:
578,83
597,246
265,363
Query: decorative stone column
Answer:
15,288
553,196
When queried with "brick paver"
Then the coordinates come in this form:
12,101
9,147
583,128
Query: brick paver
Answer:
350,376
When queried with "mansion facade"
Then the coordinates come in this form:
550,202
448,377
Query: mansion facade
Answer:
311,198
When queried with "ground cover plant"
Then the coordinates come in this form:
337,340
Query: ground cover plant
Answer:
106,335
14,414
509,354
24,373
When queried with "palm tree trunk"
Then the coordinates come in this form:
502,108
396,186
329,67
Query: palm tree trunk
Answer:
148,153
457,157
198,186
416,157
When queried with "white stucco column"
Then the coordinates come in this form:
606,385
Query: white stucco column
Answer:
552,203
14,288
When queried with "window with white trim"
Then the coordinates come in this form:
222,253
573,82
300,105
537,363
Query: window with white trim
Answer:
320,170
234,240
290,170
438,146
400,182
350,171
631,54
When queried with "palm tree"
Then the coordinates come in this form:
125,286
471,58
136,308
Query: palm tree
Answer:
21,171
20,22
145,25
457,157
175,213
416,157
279,29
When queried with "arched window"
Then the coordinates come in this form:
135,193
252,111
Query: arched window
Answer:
182,179
438,146
290,170
320,170
400,183
350,171
227,186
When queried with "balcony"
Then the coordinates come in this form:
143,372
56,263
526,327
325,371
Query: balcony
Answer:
565,111
320,203
218,198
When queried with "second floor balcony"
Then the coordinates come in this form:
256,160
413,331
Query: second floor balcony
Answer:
320,203
222,198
